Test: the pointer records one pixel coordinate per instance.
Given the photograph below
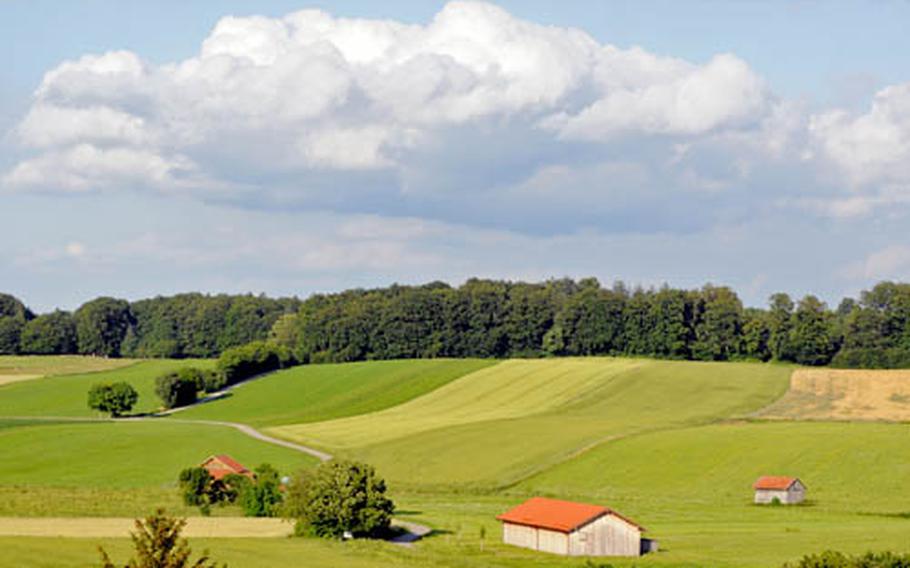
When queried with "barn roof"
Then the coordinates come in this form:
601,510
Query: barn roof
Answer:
562,516
775,482
231,466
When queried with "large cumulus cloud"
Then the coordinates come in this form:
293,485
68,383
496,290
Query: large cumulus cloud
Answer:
476,117
297,109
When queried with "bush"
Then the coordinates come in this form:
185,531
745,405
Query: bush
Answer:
262,498
158,545
339,497
240,363
199,489
114,398
832,559
178,388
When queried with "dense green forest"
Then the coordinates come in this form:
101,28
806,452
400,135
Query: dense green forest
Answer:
483,318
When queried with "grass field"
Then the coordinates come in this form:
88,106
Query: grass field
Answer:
670,444
122,455
15,368
322,392
499,424
66,395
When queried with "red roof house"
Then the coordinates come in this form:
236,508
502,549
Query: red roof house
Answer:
785,490
222,465
569,528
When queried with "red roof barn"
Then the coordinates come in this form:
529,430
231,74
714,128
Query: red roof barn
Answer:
786,490
222,465
575,529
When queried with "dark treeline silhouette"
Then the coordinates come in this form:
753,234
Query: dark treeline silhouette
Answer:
483,318
185,325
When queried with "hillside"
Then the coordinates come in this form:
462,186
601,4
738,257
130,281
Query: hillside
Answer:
669,443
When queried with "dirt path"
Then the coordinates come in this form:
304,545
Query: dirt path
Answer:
253,433
116,527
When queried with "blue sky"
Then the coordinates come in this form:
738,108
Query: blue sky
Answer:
161,147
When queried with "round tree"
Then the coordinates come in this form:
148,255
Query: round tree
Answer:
113,398
339,497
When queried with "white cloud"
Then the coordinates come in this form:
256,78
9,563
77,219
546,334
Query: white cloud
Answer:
890,262
684,99
310,93
86,167
870,148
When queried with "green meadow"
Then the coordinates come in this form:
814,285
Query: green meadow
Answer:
500,424
312,393
66,395
667,443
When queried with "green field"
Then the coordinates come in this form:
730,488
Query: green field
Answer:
667,443
124,455
500,424
66,395
61,365
322,392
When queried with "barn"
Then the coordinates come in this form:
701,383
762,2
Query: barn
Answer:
572,529
786,490
222,465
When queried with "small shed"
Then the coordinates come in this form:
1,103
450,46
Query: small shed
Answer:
572,529
222,465
786,490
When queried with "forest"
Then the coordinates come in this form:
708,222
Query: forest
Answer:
483,318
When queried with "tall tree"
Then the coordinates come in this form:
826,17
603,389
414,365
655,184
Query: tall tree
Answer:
50,334
812,336
101,326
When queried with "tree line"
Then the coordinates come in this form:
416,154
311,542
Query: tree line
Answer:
483,318
185,325
487,318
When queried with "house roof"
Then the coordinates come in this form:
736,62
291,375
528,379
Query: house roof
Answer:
775,482
562,516
230,466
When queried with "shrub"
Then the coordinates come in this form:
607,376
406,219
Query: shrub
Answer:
179,388
158,545
114,398
240,363
262,498
339,497
832,559
195,487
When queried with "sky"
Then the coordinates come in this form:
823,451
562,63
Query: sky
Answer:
292,147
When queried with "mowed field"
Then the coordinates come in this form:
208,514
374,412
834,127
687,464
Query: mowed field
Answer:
14,368
495,426
674,445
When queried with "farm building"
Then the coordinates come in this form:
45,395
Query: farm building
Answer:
572,529
221,465
787,490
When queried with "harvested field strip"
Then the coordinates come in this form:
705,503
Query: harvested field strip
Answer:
841,394
94,527
7,379
54,365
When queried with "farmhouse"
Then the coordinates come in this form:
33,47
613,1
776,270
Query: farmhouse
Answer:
572,529
222,465
787,490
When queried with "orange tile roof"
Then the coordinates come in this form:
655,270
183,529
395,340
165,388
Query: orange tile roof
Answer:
774,482
230,465
553,514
